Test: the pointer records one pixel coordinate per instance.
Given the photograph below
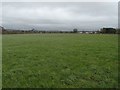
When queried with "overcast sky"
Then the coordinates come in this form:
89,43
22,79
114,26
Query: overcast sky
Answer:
59,16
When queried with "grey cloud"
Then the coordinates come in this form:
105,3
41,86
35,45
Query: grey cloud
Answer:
60,15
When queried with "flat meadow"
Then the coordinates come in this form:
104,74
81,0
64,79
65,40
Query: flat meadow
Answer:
60,61
0,61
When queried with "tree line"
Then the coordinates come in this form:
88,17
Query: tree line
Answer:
75,30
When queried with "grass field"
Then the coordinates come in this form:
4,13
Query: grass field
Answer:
0,61
60,60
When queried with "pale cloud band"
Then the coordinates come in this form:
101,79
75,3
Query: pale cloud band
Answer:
59,0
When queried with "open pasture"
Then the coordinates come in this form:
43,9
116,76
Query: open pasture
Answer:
60,61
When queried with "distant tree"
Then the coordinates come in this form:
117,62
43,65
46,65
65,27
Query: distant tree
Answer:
108,30
33,29
75,30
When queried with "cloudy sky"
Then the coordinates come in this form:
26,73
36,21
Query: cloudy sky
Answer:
60,15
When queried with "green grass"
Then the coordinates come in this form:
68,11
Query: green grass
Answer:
0,61
60,61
